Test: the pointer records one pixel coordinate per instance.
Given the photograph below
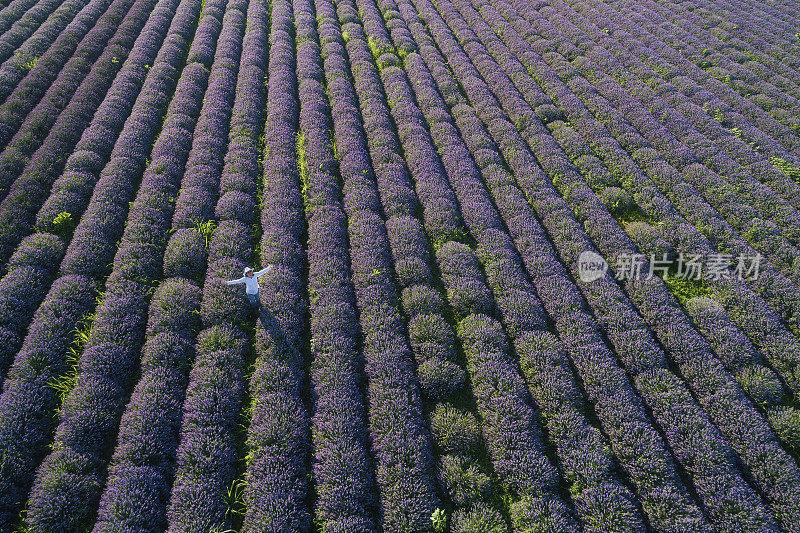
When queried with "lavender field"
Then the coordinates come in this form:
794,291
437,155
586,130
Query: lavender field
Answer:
535,266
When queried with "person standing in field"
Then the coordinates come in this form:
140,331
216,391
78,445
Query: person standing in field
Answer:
250,280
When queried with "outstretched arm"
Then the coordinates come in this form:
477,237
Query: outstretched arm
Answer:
234,281
263,271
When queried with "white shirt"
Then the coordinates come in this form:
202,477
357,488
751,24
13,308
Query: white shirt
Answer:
251,282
